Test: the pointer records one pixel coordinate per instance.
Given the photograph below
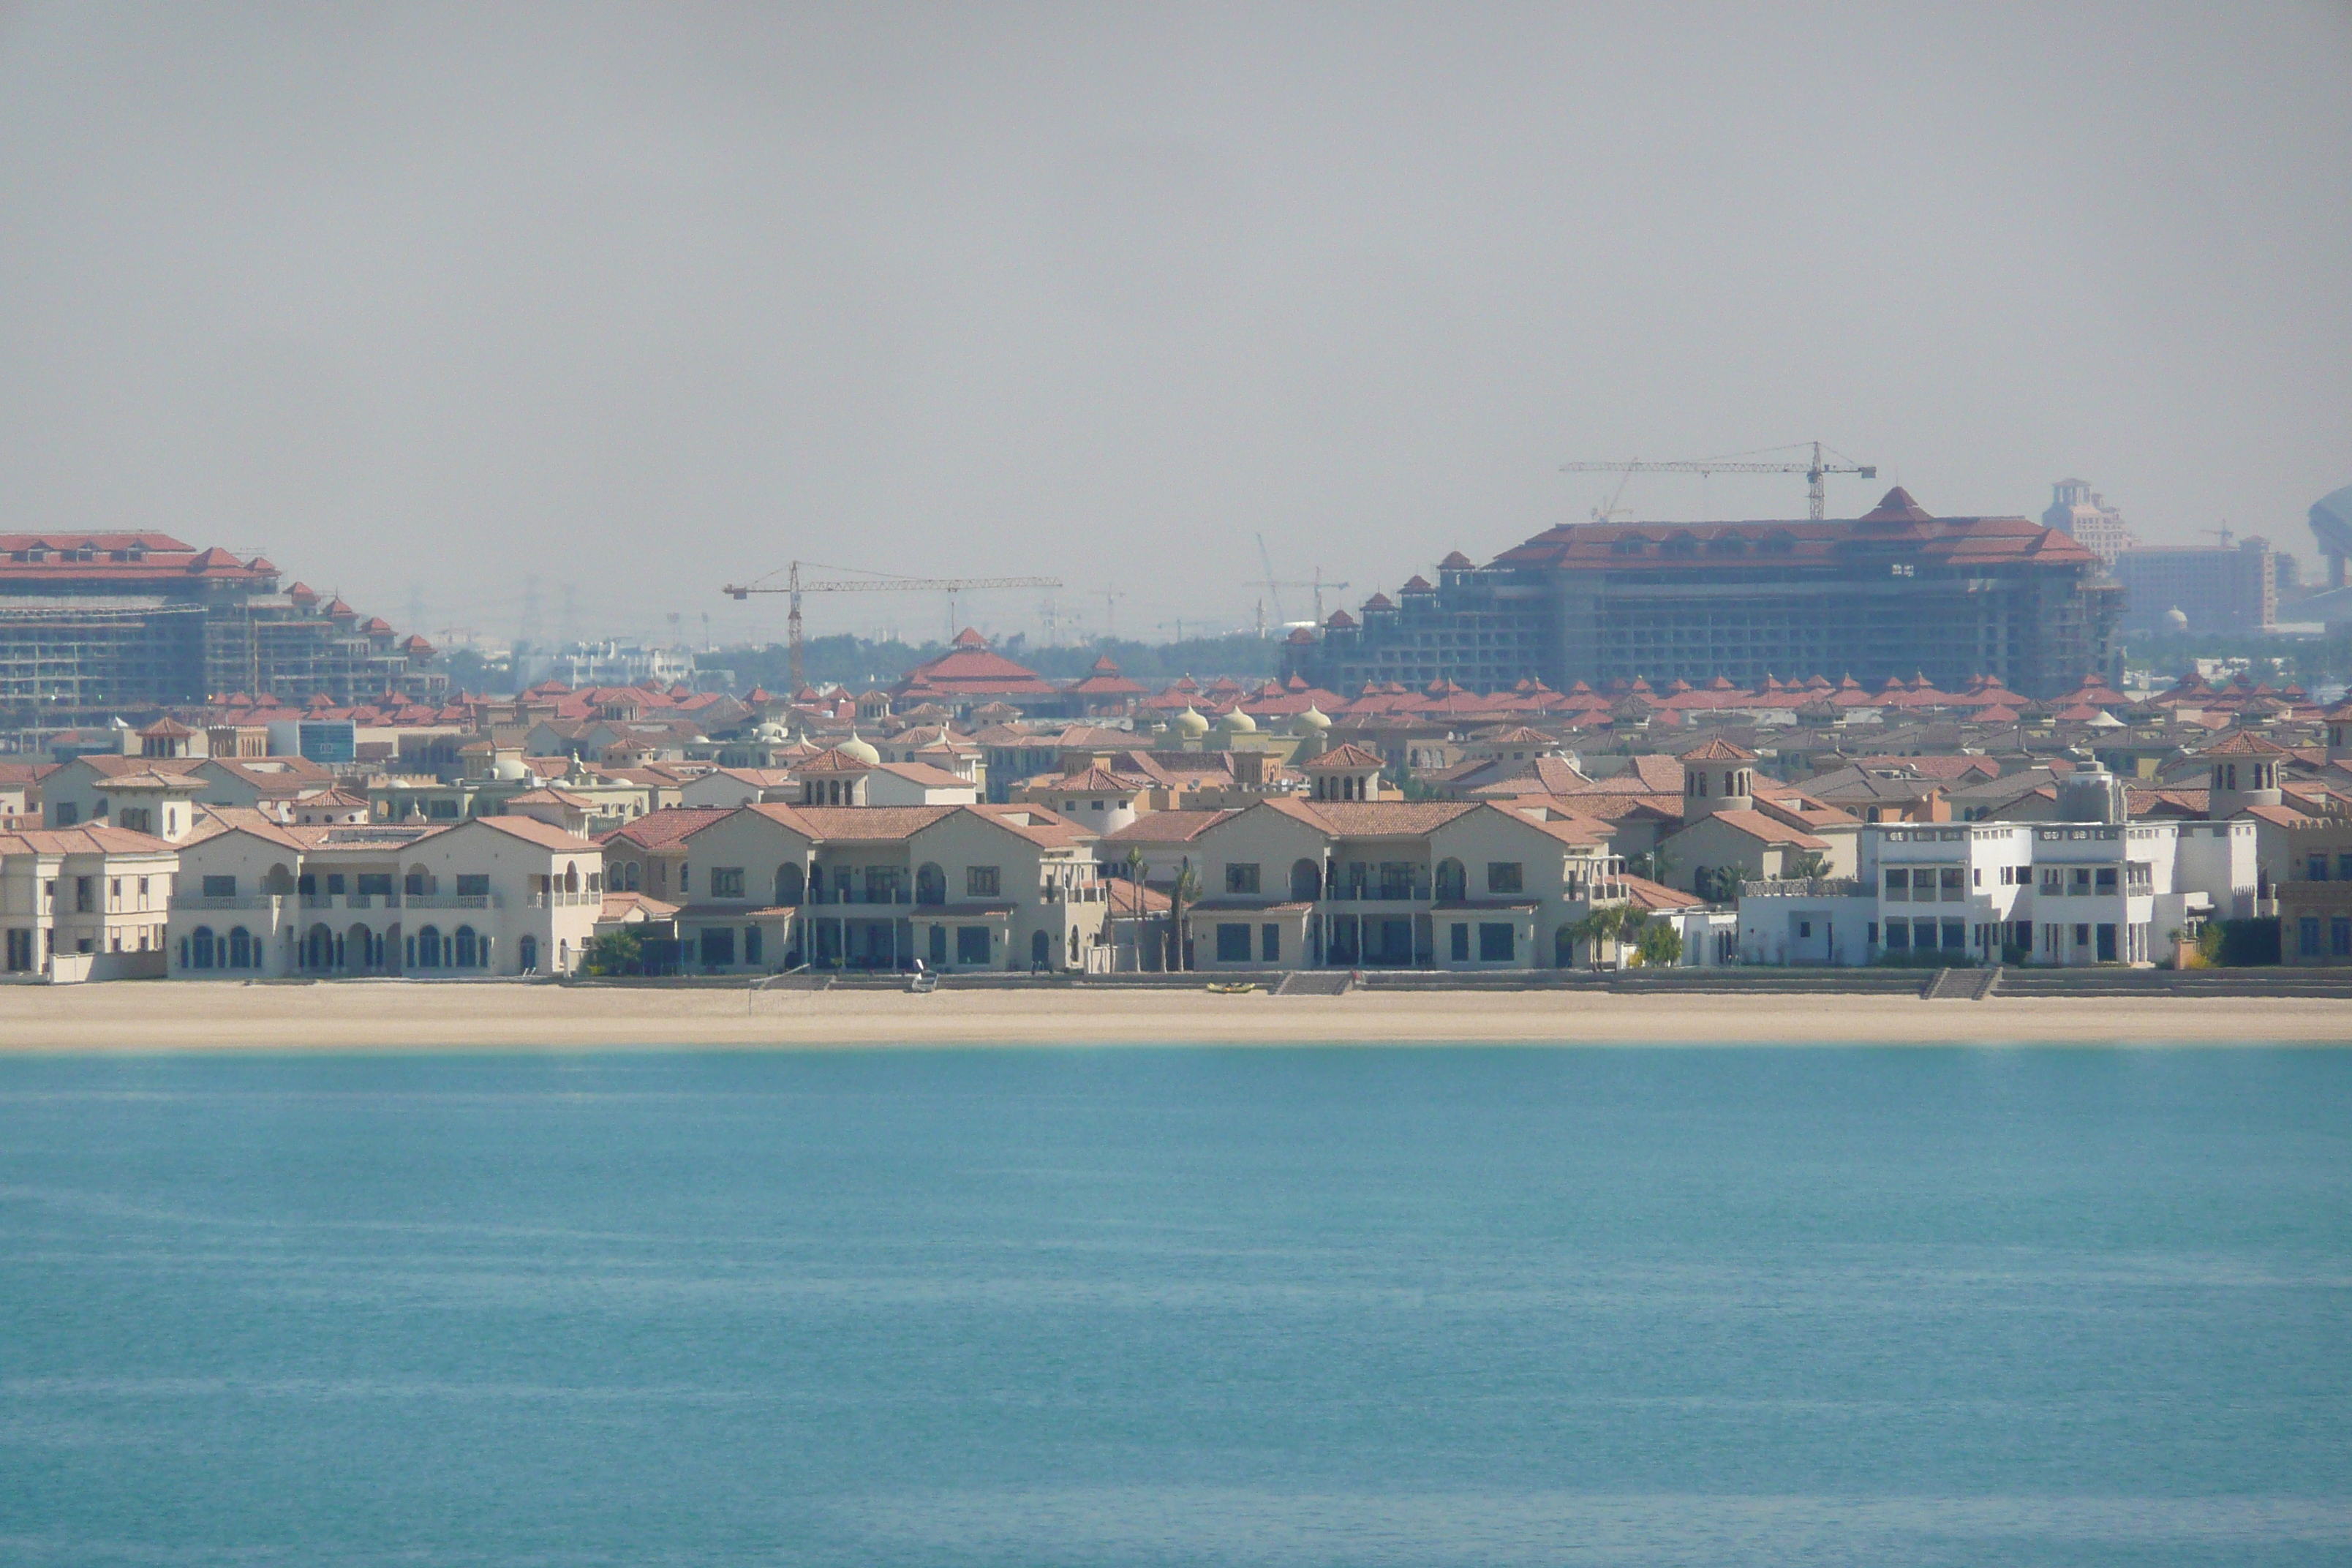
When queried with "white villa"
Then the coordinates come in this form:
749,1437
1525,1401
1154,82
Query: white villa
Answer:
491,895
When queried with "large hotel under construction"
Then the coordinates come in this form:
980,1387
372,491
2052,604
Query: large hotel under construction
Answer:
1896,592
95,624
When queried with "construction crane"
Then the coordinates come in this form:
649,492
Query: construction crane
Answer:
872,583
1816,471
1273,586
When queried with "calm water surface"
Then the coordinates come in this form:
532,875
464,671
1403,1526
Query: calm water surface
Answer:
1129,1306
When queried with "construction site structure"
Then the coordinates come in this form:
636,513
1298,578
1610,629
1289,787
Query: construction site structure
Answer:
96,625
795,586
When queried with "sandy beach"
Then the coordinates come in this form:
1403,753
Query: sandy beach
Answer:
401,1015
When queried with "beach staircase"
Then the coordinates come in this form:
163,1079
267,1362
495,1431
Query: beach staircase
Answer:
1962,985
1316,983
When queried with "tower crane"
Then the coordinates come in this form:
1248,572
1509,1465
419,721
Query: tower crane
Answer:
871,583
1273,586
1816,471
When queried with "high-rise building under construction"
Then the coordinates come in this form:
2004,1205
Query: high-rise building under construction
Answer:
1894,592
95,624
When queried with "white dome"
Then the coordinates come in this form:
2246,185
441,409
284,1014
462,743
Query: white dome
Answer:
1238,722
1313,719
1191,724
770,733
853,747
510,770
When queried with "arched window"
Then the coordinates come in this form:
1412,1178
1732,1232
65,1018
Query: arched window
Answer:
790,886
571,879
1453,880
429,947
359,949
466,955
629,877
1306,880
318,949
930,884
200,948
240,949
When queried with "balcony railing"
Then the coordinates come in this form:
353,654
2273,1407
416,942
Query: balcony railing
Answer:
232,901
1378,892
555,900
861,896
460,900
1804,888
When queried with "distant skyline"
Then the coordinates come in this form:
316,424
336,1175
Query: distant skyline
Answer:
431,301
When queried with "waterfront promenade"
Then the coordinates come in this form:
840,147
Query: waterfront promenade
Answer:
394,1014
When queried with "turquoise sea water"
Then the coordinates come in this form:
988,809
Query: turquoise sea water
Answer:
1127,1306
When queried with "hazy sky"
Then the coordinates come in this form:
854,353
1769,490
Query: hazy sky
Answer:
642,299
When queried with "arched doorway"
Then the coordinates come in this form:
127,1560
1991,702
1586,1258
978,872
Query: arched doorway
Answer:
930,884
1451,881
361,949
240,949
1037,945
465,954
200,948
319,948
1563,948
527,954
790,886
1306,880
429,947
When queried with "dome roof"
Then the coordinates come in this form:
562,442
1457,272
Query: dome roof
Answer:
1236,723
853,747
510,769
770,733
1313,719
1189,723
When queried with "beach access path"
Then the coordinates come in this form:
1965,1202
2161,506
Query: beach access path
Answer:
393,1015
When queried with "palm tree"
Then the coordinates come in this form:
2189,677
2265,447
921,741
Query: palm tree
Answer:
1186,890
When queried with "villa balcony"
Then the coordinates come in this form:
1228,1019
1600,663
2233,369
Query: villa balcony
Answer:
1804,888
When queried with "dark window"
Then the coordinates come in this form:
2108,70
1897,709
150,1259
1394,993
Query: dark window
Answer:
220,886
751,944
1898,885
1241,878
979,881
2106,944
1232,943
374,884
2107,880
473,884
1461,942
2309,933
1269,944
971,945
727,881
1870,934
2339,936
1503,877
1956,936
719,945
1496,942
